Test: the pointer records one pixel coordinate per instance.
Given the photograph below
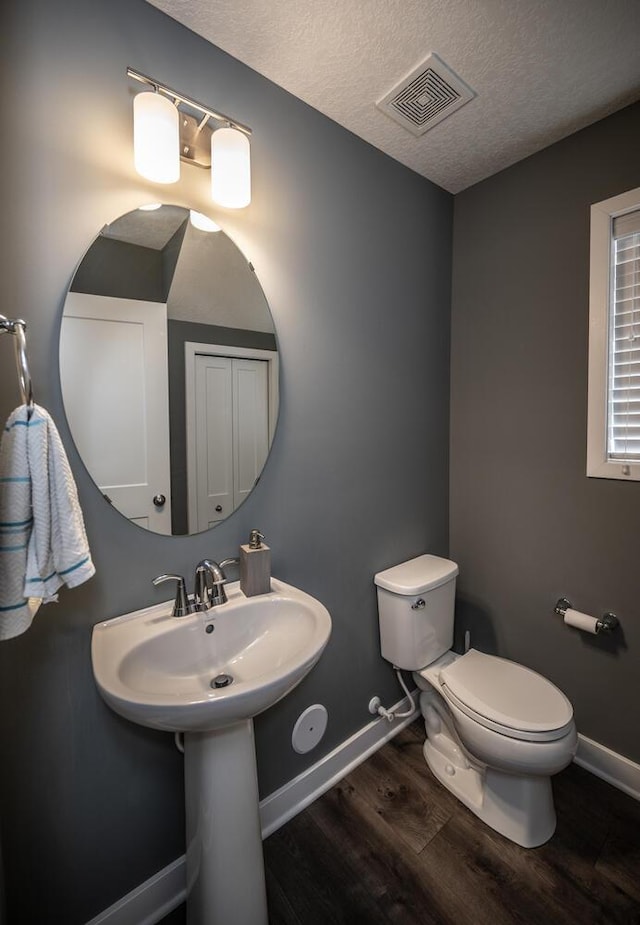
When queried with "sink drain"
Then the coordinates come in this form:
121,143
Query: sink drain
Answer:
222,680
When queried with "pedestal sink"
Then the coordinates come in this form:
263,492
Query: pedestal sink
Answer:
162,671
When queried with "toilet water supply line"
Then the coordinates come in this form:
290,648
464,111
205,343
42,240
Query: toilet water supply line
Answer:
376,707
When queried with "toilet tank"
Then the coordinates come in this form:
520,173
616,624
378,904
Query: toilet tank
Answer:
415,610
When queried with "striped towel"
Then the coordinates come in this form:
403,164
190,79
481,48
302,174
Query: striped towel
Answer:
43,543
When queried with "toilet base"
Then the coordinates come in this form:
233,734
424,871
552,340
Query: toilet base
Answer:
520,807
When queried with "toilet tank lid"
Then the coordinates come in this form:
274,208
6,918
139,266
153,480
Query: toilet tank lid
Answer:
417,575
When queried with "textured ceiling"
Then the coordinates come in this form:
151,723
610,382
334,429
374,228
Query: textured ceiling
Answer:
541,69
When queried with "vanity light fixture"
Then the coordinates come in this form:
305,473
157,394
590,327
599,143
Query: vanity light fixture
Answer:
167,131
156,137
230,168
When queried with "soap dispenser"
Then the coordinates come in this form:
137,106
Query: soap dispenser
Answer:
255,566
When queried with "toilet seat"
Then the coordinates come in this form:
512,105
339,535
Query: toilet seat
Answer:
506,697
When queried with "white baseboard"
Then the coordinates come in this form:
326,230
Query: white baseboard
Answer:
150,902
610,766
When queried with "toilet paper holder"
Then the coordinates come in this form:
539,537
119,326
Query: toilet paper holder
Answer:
607,622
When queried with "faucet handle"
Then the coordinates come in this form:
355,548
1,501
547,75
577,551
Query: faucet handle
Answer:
182,605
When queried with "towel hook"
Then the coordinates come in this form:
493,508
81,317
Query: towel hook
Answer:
17,327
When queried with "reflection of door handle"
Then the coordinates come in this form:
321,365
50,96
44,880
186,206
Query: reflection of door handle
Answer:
218,508
159,500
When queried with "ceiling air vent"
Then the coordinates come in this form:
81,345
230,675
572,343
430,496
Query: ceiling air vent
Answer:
429,94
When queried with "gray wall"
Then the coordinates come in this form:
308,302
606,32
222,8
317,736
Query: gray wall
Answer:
124,270
353,252
139,273
527,525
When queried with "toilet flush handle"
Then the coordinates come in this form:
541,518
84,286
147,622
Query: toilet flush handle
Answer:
420,604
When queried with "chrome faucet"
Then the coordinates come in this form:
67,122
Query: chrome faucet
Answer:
210,580
209,585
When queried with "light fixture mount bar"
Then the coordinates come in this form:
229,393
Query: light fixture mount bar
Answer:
193,104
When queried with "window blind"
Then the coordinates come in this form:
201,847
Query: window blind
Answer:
623,425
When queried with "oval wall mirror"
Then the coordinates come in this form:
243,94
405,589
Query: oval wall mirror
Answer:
169,369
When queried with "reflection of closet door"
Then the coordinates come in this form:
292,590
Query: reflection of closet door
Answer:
231,435
250,425
213,443
113,365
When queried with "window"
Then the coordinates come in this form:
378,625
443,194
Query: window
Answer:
613,442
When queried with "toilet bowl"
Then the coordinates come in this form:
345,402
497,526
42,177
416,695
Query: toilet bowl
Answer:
496,731
497,752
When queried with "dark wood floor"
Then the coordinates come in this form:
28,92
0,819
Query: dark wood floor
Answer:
389,845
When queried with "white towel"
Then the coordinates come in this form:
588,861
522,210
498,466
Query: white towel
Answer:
43,543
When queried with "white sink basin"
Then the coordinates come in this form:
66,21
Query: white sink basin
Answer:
157,670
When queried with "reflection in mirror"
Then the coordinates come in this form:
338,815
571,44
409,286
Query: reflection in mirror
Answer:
169,370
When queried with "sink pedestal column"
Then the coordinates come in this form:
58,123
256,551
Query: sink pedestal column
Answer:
225,867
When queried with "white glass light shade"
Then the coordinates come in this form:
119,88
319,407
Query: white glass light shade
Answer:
202,222
230,168
156,138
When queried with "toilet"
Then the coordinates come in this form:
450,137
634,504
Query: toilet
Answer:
496,731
